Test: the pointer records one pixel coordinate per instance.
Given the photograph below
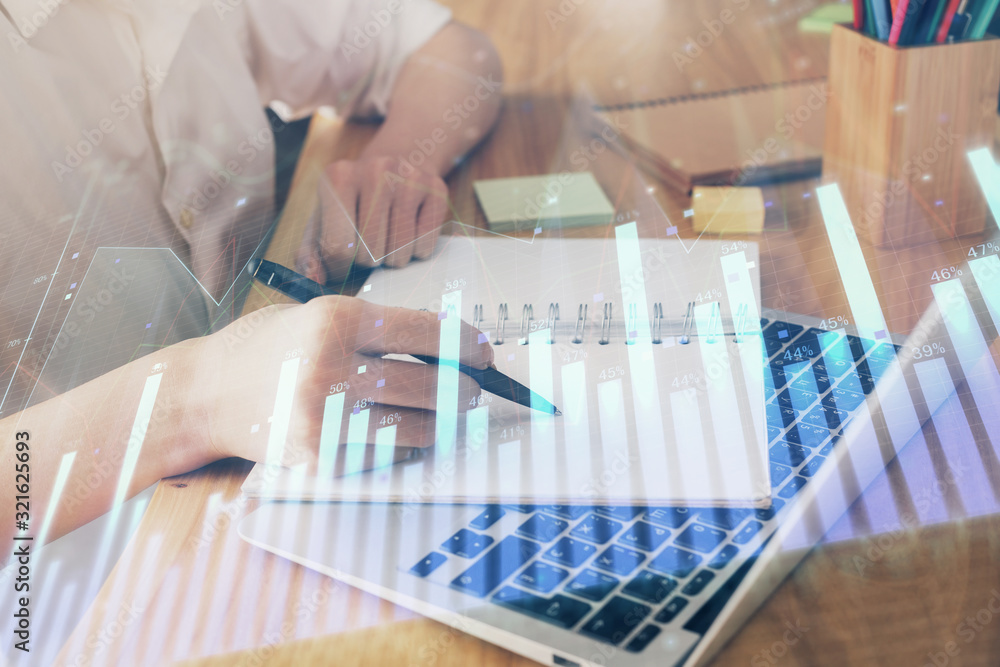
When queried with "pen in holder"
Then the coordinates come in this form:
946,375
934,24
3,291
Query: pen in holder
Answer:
899,124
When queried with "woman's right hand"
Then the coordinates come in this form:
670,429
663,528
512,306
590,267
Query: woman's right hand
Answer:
339,343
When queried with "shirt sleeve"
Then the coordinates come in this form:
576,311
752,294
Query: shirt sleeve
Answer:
341,53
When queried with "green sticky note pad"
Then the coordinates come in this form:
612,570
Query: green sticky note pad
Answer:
823,17
553,200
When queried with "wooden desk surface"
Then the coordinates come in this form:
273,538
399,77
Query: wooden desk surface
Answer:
203,592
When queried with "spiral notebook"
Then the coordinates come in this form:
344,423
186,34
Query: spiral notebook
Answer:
651,350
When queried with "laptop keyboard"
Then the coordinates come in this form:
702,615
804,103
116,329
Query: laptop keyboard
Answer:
620,574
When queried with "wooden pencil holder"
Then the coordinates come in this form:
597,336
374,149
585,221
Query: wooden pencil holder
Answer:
899,124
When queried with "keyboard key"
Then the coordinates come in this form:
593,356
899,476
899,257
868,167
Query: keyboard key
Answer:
879,359
592,585
812,467
834,368
789,455
523,509
642,639
650,587
506,557
747,532
620,512
615,620
726,554
566,511
814,383
432,562
793,486
723,517
814,336
671,517
843,399
857,383
767,513
669,612
619,560
776,379
698,582
817,417
772,345
779,474
700,538
562,611
789,416
773,433
489,516
784,331
541,577
778,416
596,529
542,527
675,562
857,347
796,398
807,435
644,536
466,543
570,552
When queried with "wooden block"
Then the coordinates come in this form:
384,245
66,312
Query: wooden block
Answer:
727,210
899,125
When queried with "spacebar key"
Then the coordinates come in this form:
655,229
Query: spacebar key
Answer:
499,563
560,610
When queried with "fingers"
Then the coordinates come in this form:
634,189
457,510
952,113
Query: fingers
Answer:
371,219
338,238
383,330
411,385
371,438
374,204
403,224
432,214
308,261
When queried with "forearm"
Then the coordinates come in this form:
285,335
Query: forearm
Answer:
99,430
445,100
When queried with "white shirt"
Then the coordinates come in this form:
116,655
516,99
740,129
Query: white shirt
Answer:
131,124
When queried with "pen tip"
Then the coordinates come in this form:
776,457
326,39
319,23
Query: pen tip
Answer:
557,412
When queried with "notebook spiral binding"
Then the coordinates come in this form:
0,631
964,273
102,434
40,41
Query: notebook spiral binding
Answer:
741,323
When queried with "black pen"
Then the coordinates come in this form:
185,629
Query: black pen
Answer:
302,289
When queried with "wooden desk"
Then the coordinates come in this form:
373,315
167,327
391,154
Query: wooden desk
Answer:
203,592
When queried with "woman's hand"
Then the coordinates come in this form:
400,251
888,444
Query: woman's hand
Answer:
370,215
339,343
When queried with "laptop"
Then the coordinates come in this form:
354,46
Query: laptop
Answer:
621,584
